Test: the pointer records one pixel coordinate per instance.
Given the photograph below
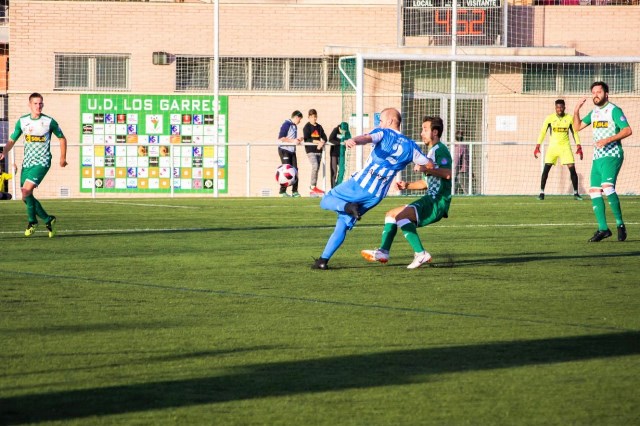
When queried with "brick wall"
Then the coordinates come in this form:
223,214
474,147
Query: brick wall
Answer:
247,28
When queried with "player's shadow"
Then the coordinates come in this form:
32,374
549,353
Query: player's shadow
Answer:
274,379
461,260
531,257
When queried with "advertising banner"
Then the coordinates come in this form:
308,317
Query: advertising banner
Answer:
153,143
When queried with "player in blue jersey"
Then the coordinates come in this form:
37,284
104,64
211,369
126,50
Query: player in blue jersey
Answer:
430,208
351,199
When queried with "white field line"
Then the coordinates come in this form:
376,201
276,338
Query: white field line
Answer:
143,230
137,204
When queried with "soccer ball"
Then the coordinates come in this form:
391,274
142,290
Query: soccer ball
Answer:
286,174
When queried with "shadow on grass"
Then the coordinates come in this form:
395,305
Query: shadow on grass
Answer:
457,261
309,376
140,358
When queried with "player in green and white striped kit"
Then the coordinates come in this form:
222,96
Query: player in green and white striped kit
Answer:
430,208
37,129
610,126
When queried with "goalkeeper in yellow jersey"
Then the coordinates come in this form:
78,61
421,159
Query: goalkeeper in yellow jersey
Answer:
558,125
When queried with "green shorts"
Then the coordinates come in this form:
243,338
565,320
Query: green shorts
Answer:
33,174
605,170
429,210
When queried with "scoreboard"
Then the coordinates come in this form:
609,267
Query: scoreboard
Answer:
479,21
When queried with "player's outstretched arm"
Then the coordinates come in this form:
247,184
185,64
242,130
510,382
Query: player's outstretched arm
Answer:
7,148
577,121
358,140
417,185
441,173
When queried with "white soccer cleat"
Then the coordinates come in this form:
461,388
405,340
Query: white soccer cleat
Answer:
375,255
420,259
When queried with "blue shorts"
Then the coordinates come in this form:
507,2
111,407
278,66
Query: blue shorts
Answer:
349,192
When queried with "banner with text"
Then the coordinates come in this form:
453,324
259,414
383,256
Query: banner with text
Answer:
153,143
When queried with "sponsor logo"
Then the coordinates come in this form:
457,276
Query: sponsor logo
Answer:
87,129
600,124
34,138
98,118
186,118
381,178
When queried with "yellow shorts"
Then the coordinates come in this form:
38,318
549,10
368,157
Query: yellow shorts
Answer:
563,152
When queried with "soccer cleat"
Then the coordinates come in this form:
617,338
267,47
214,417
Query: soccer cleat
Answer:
352,210
375,255
577,197
31,229
296,195
541,196
419,259
51,226
599,236
320,263
316,190
622,233
284,195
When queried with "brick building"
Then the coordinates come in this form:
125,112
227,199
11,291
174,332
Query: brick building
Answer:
276,56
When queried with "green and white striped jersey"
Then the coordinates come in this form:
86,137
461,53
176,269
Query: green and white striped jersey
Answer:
37,138
606,121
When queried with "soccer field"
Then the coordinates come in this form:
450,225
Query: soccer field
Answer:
206,311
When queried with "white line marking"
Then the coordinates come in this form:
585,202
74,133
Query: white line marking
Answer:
143,230
137,204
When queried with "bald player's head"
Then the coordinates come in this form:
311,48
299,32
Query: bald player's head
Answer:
390,117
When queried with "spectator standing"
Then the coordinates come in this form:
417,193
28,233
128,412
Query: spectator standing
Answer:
338,135
315,138
289,139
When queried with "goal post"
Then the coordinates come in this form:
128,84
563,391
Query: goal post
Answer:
495,106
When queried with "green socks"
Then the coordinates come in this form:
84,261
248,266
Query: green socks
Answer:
30,201
598,210
411,234
388,234
39,210
34,208
614,203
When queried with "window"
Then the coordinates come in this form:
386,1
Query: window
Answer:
334,80
259,74
305,74
233,73
539,78
577,78
91,72
193,73
267,74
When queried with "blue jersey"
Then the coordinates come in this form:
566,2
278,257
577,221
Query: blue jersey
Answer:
391,153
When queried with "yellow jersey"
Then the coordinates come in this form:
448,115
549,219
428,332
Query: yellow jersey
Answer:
3,177
559,128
